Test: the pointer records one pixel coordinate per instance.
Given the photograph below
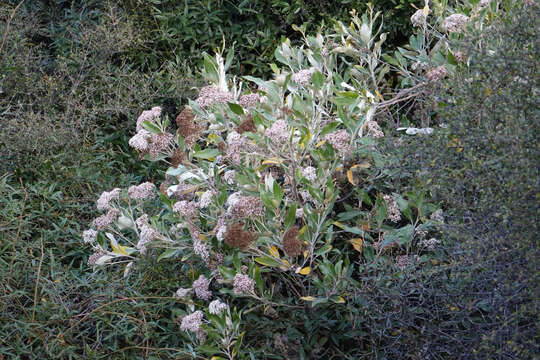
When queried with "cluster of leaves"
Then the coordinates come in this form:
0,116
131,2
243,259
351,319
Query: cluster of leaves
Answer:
184,29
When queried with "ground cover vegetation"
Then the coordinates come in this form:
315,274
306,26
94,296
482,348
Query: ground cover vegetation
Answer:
353,189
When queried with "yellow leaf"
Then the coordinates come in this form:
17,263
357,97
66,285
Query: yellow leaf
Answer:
304,271
308,298
379,95
118,249
426,9
306,253
350,177
272,161
274,252
320,143
363,165
357,244
340,300
338,224
285,265
302,230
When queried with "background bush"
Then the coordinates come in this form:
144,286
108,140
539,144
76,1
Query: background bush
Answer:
483,168
184,29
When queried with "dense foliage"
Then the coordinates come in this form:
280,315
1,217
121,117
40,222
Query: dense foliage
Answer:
294,218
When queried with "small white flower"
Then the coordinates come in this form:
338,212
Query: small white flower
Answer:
216,307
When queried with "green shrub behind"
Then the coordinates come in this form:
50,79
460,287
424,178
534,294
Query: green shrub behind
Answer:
484,167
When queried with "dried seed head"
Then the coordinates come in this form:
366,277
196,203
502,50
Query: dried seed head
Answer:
237,237
178,157
187,127
246,126
291,244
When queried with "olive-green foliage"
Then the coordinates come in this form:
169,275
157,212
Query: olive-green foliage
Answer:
184,29
484,167
47,287
63,79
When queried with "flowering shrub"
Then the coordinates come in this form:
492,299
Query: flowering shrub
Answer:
277,194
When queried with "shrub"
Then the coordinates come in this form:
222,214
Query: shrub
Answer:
277,204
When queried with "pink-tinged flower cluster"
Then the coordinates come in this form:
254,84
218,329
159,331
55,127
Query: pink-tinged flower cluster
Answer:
182,292
374,130
437,216
89,236
148,115
278,132
152,144
419,17
229,176
199,248
143,191
206,199
188,209
146,233
106,197
249,100
217,307
436,74
105,220
392,210
213,95
310,173
237,146
455,23
192,322
94,258
404,261
243,284
200,286
429,243
339,140
246,206
303,76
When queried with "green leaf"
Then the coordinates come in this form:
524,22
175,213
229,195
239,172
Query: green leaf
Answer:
278,193
151,127
167,254
317,79
227,273
268,261
206,153
258,279
235,108
291,216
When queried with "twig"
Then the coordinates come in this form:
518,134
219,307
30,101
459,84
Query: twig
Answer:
399,97
18,233
7,24
37,279
111,303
